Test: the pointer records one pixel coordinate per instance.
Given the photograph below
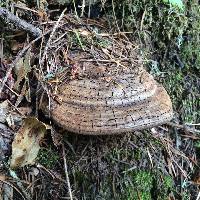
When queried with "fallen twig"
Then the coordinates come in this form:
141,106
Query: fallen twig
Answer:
198,197
25,8
66,174
50,37
11,19
184,127
10,89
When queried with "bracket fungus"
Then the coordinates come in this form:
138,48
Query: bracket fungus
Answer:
111,92
132,102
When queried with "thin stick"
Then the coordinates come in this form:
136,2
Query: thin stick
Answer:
184,127
142,20
66,173
198,197
51,35
188,124
11,89
104,60
25,8
115,18
82,8
75,10
1,48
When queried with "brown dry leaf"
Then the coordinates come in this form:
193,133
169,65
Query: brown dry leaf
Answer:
84,32
26,144
22,68
2,177
25,110
196,178
25,92
19,71
42,15
56,137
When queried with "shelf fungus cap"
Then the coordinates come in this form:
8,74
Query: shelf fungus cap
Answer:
124,100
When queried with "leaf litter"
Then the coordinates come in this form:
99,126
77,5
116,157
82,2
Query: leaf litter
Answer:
26,144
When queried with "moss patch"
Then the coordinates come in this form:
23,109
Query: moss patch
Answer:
48,157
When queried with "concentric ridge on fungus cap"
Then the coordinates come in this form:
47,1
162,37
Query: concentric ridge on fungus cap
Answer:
134,100
112,92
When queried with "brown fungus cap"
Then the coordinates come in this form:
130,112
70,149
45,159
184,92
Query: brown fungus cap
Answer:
101,107
109,91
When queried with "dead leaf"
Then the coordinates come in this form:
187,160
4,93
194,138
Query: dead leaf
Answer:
15,46
42,15
14,119
20,72
4,110
2,177
9,116
22,68
84,32
6,191
25,110
56,137
25,92
26,144
6,136
196,178
10,121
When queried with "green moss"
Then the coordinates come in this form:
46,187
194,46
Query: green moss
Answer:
137,154
147,185
184,94
168,183
191,45
143,184
197,144
172,35
48,157
102,42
